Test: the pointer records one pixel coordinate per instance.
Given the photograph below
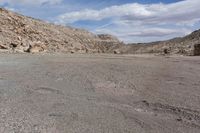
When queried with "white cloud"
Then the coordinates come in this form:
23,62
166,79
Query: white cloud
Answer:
143,33
141,22
10,9
110,12
184,12
130,22
30,2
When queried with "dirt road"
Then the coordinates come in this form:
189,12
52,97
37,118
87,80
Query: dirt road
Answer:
99,94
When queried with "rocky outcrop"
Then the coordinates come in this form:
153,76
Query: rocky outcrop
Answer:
19,33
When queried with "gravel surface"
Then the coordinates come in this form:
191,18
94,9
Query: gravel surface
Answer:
99,94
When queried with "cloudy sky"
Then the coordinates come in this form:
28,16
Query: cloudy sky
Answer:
130,20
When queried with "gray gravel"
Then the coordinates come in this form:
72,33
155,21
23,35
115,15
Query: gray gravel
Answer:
99,94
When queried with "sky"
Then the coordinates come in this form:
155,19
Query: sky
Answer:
133,21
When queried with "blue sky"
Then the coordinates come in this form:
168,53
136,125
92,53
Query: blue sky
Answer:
129,20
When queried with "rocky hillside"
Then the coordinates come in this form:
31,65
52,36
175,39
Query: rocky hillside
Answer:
19,33
188,45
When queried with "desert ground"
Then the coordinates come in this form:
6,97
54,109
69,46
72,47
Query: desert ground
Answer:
74,93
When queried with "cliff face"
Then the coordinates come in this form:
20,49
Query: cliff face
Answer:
24,34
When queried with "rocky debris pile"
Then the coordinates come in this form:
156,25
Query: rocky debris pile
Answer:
188,45
24,34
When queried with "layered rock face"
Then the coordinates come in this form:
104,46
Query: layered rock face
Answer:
24,34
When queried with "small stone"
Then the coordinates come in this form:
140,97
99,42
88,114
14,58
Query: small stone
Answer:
13,45
35,50
3,46
72,51
179,119
117,52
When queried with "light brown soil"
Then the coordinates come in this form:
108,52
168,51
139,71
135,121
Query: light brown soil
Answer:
99,94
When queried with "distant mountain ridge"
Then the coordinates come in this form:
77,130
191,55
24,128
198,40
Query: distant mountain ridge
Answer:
188,45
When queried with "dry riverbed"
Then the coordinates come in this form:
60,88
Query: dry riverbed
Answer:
99,94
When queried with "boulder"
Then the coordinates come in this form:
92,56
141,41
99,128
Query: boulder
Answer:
3,46
20,49
13,45
196,49
35,49
117,52
166,51
72,51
